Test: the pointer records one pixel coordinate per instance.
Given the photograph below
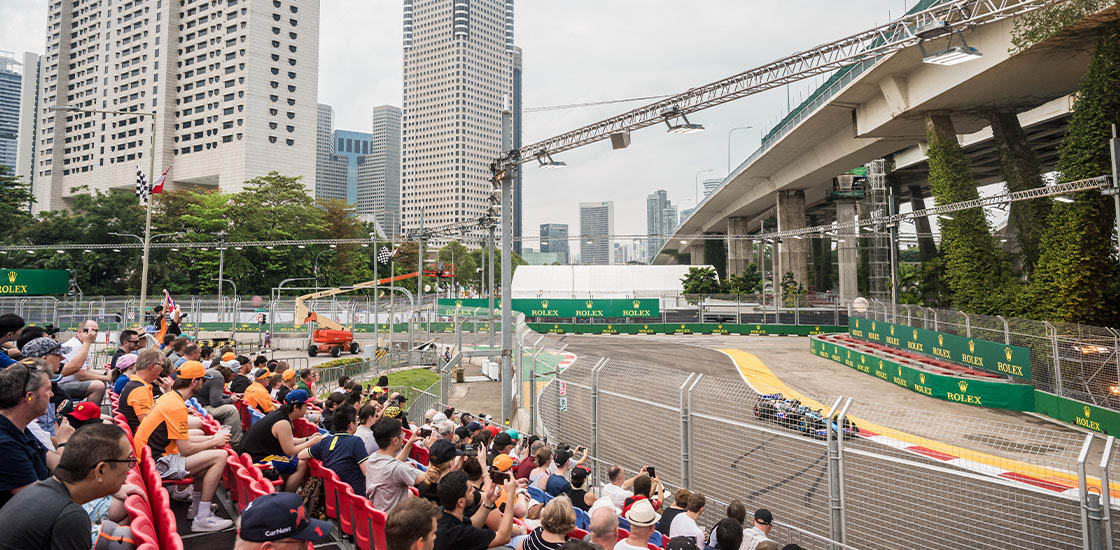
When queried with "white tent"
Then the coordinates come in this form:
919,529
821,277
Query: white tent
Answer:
598,281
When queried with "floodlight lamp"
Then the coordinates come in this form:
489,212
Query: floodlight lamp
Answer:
334,246
684,127
116,250
933,30
61,251
300,246
1066,200
270,247
951,55
945,216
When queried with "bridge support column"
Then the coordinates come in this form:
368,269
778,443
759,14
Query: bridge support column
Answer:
847,254
927,249
820,256
696,253
793,255
740,250
1021,172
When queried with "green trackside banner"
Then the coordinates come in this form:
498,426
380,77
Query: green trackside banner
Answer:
981,354
980,393
1078,413
34,282
682,328
559,307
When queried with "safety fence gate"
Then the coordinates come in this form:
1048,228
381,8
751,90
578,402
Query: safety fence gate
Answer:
907,479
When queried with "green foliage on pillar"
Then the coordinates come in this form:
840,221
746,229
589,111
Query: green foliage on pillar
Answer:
747,282
977,273
1076,279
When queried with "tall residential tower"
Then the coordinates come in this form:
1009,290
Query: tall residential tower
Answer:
596,225
233,86
380,192
11,79
458,75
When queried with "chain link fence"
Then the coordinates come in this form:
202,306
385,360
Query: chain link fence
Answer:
911,479
1079,362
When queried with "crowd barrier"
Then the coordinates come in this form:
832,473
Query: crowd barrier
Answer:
683,328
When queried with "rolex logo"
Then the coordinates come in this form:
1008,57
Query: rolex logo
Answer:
11,276
637,304
1087,411
892,330
589,304
872,325
862,358
922,377
900,371
544,304
555,326
963,385
758,327
645,327
458,303
915,334
971,346
849,354
608,327
857,323
940,340
682,325
1007,352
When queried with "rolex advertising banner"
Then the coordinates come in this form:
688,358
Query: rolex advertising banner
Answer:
994,357
981,393
682,328
34,282
558,307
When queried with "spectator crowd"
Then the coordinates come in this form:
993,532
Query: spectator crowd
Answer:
445,480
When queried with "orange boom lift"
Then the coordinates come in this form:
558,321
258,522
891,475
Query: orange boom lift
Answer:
333,338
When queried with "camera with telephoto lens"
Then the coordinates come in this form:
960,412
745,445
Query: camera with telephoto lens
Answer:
470,450
50,329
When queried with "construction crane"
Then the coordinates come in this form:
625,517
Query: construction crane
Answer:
331,337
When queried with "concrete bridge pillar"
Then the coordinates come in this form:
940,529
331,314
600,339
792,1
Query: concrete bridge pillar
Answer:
793,255
820,256
847,254
740,250
696,253
927,248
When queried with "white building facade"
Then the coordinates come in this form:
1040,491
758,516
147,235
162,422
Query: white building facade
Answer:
233,85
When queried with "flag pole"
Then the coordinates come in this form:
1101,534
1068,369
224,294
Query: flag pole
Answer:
148,218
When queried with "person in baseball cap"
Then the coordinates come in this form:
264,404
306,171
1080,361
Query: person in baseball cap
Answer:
192,370
229,360
296,397
279,517
50,351
86,412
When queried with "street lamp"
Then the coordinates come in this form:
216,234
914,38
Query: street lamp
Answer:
151,174
697,186
729,145
316,270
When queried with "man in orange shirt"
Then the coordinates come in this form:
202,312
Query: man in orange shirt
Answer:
178,453
256,395
137,398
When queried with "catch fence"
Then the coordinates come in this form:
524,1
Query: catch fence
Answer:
910,479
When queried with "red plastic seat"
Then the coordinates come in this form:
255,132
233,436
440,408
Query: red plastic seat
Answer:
369,524
167,530
243,480
257,470
419,454
652,546
623,533
346,498
331,484
144,531
246,418
577,533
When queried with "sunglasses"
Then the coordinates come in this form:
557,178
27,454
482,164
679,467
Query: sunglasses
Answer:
131,461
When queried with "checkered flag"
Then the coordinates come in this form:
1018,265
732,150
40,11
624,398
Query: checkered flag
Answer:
142,189
384,255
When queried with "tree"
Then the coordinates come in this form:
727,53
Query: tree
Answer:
701,280
1076,279
747,282
15,204
793,292
350,265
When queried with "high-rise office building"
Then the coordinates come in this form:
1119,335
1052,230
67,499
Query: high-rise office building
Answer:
330,173
233,86
661,221
596,225
458,75
710,186
28,120
554,239
11,79
350,148
518,198
379,192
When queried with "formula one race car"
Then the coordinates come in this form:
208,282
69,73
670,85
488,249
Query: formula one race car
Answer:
795,416
776,408
813,422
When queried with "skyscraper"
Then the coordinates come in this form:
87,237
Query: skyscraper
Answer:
11,78
379,192
711,185
233,87
330,172
596,225
29,98
554,238
661,221
458,72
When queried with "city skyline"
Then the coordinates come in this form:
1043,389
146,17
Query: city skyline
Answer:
353,83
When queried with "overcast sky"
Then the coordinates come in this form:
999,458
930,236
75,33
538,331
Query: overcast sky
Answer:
580,51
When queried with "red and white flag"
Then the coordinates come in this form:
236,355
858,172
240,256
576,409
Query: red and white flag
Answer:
158,186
